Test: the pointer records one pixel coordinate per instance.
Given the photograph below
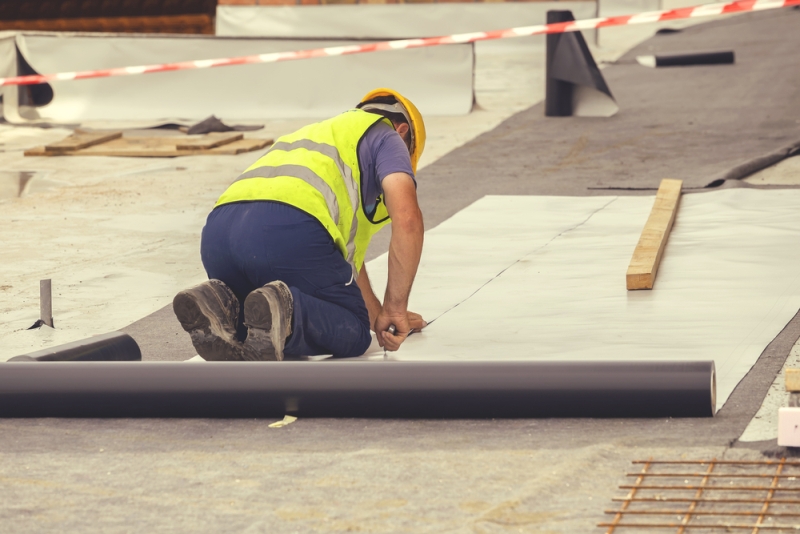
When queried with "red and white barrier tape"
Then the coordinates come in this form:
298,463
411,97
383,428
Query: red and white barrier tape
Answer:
561,27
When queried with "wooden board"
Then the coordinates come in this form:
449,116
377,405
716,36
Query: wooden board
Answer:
211,140
241,146
154,147
647,255
80,140
793,380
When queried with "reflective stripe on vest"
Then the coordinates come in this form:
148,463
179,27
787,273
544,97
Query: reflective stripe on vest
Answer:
333,153
304,173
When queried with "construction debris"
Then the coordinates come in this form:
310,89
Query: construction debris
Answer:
213,124
287,420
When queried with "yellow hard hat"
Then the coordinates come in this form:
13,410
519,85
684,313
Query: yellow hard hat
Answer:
417,125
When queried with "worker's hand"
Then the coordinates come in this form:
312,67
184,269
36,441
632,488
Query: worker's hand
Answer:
416,322
386,319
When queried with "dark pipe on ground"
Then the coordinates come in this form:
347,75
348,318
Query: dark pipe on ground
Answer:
111,347
685,60
358,389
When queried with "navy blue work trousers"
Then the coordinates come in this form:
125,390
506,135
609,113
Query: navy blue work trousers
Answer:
249,244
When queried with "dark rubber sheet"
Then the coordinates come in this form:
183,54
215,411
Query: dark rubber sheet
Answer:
692,123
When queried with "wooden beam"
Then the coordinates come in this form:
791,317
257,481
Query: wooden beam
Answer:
80,140
211,140
239,147
647,255
793,380
154,147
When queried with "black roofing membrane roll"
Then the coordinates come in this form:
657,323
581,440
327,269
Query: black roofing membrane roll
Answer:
393,389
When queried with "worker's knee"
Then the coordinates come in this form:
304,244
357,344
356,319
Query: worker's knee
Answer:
361,340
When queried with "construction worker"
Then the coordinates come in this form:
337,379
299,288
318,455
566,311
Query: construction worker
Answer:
284,245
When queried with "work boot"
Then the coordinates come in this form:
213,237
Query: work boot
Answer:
268,317
210,312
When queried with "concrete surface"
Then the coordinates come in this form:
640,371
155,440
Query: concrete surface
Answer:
240,476
393,476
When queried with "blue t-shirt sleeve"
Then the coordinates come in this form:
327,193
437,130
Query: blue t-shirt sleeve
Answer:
391,154
382,152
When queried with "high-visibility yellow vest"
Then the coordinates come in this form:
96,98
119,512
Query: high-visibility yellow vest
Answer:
316,169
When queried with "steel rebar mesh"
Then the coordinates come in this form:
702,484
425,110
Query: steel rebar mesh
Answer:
709,496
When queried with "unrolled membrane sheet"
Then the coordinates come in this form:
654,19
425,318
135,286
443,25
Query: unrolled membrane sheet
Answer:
439,79
387,21
543,278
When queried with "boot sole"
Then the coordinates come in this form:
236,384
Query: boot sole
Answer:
208,336
264,339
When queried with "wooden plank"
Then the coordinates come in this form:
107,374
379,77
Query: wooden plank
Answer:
647,255
793,380
154,147
241,146
122,146
38,151
80,140
211,140
136,147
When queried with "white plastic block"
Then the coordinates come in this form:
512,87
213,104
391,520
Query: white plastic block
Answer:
789,427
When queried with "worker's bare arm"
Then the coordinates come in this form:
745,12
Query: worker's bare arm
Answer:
372,302
415,320
405,249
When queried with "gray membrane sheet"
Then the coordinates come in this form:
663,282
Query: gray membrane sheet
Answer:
545,475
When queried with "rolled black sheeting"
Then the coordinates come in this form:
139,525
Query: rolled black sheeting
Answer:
558,93
111,347
700,58
358,389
